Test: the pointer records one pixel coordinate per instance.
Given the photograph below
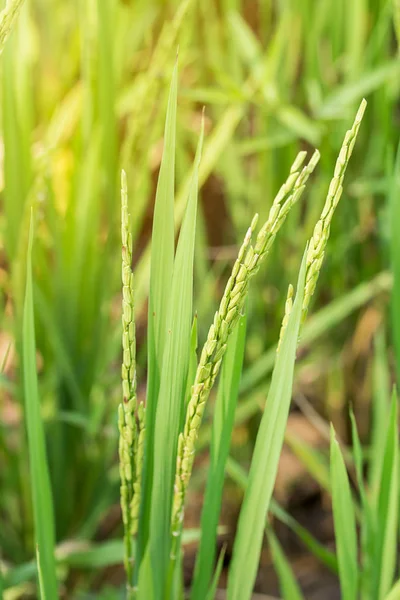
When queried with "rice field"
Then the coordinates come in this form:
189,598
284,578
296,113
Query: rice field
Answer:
199,284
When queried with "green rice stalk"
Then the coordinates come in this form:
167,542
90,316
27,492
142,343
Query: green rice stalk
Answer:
246,265
126,412
316,248
7,18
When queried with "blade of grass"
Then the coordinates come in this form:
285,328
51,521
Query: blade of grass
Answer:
170,405
394,208
40,480
380,410
387,510
264,465
162,260
217,574
288,585
367,523
344,522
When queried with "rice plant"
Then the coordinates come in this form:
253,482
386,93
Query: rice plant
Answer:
100,461
175,405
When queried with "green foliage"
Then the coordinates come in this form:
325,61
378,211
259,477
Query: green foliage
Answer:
40,481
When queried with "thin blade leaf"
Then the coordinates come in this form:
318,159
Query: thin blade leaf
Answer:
40,479
170,404
162,260
264,465
344,522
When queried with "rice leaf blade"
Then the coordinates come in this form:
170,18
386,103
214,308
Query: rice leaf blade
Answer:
288,585
174,372
344,522
162,260
248,541
387,510
40,479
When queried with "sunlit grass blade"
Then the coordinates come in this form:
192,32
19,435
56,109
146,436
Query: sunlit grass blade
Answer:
162,260
380,411
344,522
394,212
40,480
387,510
288,585
367,524
313,460
170,406
249,536
223,420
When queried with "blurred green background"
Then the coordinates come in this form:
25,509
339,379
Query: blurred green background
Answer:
83,94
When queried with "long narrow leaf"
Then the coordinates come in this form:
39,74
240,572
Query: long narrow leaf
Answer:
289,587
248,542
394,206
345,523
387,510
40,480
162,260
175,366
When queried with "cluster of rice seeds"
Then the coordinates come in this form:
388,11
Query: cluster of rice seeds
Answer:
317,244
316,248
246,266
7,18
139,450
128,440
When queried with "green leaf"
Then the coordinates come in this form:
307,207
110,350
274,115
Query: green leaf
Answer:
223,420
217,574
288,585
162,261
40,480
313,460
394,219
264,465
174,372
380,411
387,510
344,522
367,524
